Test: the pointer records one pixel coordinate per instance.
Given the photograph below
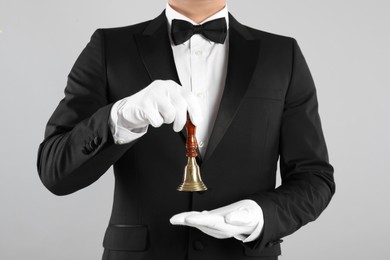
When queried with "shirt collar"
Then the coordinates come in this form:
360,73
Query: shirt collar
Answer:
173,14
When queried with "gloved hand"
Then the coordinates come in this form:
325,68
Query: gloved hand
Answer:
242,220
163,101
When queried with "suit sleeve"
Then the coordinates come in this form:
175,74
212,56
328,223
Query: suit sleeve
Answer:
307,177
78,146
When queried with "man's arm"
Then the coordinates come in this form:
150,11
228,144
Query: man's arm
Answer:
307,177
86,134
78,146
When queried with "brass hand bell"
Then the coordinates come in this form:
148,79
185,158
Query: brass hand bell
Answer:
191,179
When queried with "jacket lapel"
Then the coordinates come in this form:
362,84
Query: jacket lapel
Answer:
243,56
156,52
155,49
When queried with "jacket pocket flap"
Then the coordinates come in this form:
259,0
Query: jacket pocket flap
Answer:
126,237
267,251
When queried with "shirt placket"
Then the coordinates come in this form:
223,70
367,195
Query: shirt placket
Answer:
198,79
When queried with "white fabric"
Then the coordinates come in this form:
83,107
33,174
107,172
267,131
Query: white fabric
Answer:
242,220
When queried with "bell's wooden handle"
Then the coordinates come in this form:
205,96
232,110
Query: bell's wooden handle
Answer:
192,180
191,143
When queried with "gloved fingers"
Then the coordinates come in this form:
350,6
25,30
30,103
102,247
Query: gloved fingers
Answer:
154,117
180,120
205,219
226,233
162,85
192,219
180,105
156,104
225,210
228,230
215,224
193,107
214,232
180,219
166,109
232,207
238,220
182,100
211,224
160,102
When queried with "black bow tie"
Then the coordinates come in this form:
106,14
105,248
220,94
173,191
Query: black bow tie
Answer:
214,30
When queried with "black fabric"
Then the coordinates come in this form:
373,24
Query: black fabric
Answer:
126,237
268,111
214,30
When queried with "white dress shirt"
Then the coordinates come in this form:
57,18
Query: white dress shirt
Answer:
201,66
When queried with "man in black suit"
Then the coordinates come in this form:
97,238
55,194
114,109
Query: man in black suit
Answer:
252,97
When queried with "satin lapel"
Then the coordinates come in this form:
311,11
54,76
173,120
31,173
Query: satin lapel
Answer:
156,52
243,56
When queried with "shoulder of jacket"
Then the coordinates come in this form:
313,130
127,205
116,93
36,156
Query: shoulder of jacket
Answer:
129,29
264,35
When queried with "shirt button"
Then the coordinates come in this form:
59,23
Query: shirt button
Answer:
121,141
198,246
201,144
198,52
200,94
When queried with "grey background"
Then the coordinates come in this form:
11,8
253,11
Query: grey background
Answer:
346,44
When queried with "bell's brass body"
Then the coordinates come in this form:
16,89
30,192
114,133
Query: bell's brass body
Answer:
191,179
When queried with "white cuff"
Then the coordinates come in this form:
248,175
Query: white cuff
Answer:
121,134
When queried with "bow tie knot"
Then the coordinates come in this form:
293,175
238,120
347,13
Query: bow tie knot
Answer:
215,30
198,29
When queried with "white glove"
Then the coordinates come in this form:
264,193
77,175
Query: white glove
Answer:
242,220
163,101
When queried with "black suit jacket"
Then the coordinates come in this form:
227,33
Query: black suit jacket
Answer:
268,111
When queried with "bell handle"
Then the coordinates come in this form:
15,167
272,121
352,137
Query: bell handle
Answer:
191,143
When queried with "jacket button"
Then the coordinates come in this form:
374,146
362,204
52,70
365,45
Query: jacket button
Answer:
93,145
198,246
85,151
97,140
90,146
